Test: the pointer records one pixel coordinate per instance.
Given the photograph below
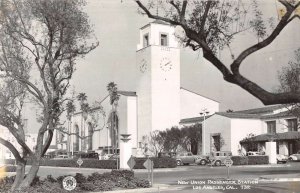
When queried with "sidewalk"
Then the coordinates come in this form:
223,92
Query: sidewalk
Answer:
280,178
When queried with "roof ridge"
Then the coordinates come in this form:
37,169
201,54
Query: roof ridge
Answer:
199,94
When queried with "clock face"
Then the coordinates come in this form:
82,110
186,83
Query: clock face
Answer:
143,66
166,64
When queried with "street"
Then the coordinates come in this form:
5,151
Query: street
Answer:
170,178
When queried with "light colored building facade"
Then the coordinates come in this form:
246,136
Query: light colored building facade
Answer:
158,103
227,131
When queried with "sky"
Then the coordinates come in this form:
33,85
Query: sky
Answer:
116,26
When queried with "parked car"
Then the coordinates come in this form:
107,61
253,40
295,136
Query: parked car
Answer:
186,158
202,160
281,158
61,157
89,155
294,157
105,156
217,158
114,157
253,153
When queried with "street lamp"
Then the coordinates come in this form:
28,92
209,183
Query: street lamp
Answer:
203,113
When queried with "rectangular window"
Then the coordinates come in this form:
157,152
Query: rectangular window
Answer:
146,40
271,125
163,39
292,124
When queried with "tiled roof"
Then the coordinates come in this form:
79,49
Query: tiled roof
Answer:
274,137
278,115
193,119
160,22
262,110
238,115
127,93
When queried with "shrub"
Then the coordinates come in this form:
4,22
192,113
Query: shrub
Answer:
261,159
80,178
104,185
141,183
123,173
88,186
95,182
51,179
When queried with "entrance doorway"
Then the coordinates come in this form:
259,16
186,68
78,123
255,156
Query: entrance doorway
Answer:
292,147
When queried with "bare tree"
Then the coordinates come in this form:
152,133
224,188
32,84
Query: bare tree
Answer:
289,78
40,42
156,142
209,25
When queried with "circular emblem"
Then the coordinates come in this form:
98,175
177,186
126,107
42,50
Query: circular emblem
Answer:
69,183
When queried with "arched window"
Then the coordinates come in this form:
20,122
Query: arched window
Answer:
90,136
76,144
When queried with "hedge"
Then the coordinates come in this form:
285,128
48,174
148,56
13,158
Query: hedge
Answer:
254,160
10,168
105,164
250,160
239,160
164,162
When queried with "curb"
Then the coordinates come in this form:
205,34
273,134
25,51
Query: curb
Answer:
157,187
264,179
265,166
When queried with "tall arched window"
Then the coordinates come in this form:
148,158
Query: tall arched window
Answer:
90,136
76,144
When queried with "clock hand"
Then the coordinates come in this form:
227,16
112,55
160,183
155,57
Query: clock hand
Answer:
167,63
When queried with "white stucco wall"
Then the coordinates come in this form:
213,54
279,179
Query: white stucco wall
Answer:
239,130
132,120
158,90
281,124
191,104
165,89
154,30
217,124
143,91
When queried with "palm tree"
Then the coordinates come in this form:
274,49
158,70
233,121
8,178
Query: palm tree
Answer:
84,107
70,107
113,118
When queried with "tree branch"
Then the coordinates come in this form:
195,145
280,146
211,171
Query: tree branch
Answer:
11,148
283,22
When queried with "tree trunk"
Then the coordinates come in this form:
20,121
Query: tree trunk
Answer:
20,174
31,174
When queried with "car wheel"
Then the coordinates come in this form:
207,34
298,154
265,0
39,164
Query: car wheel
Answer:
202,162
218,163
178,162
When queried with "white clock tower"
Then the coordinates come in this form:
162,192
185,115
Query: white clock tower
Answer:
158,78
